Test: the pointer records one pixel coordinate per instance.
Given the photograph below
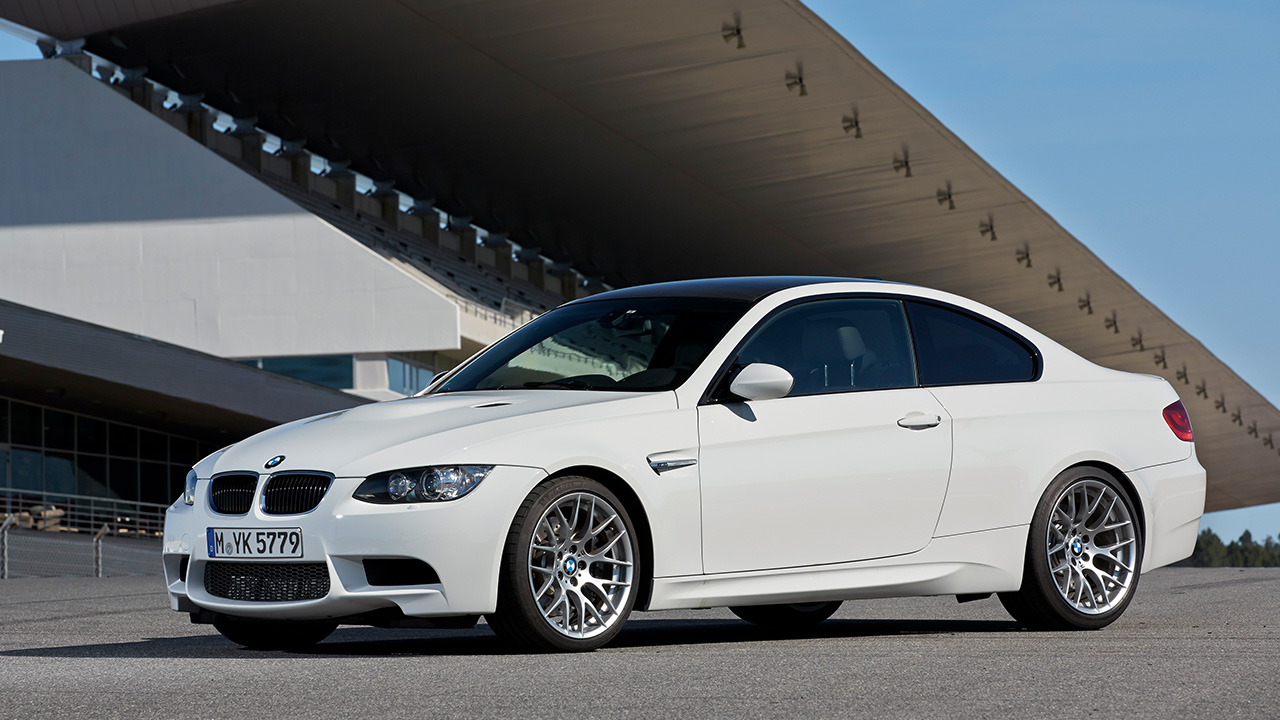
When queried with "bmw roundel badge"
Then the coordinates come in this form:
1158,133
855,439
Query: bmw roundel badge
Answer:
274,462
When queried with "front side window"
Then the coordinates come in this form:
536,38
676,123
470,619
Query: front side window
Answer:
954,348
626,345
836,345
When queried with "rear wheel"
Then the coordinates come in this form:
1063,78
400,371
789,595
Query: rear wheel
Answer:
569,568
1082,555
271,635
782,617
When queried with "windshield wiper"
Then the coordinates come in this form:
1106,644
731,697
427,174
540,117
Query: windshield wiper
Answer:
567,383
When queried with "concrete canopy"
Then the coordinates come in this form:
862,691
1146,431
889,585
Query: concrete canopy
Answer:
74,365
632,140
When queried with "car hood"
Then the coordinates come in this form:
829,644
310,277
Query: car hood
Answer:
434,429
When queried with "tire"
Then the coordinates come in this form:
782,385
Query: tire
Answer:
562,587
268,635
1083,554
787,617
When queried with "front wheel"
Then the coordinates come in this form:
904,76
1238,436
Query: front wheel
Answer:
787,617
268,635
569,568
1083,554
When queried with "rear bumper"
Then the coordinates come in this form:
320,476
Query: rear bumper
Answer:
461,540
1175,501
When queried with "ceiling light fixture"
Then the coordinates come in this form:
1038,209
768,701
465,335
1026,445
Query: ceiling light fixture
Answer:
729,32
796,80
944,197
903,161
850,124
988,227
1024,255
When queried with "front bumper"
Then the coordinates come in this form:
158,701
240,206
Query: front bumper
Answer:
461,540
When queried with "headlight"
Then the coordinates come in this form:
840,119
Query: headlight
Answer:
422,484
189,494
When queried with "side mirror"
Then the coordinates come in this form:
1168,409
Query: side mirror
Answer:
761,381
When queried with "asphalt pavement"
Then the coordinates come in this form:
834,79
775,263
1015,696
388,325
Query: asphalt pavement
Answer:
1194,643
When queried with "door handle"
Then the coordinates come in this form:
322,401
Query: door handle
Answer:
919,421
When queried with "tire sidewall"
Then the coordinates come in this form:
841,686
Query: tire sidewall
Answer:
516,562
1037,569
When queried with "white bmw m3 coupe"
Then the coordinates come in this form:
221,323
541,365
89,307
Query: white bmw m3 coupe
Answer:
774,445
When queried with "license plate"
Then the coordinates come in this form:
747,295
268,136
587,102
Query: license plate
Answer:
255,542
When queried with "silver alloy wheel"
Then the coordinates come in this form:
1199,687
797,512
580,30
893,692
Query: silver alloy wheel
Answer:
580,565
1092,547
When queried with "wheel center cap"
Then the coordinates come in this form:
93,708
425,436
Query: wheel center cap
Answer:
571,565
1077,547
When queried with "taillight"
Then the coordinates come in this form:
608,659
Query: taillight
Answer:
1179,422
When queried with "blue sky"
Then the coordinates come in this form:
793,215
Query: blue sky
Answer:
1147,129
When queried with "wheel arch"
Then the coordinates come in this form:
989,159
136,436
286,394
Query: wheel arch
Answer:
639,518
1129,486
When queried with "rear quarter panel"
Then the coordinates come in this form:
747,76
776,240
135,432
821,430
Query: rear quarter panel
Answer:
1011,440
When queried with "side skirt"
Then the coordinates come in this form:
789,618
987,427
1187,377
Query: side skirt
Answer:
981,562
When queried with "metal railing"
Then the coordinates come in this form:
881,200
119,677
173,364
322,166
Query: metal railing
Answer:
60,535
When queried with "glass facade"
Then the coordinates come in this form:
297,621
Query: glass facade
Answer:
45,450
334,371
407,375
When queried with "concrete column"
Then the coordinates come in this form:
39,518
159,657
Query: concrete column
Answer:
423,209
592,285
73,52
371,371
345,182
460,225
197,117
501,252
389,199
250,139
568,279
134,86
299,162
537,272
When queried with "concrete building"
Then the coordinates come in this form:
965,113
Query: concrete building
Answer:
362,194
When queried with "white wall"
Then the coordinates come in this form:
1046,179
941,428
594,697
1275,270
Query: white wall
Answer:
111,216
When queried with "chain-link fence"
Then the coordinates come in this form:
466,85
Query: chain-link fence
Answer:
53,535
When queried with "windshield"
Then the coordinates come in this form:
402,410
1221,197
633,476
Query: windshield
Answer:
626,345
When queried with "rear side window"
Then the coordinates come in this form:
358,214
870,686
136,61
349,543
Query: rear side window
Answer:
954,348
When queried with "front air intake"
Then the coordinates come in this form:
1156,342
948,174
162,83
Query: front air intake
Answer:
233,494
294,493
266,582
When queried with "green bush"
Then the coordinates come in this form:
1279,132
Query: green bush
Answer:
1245,552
